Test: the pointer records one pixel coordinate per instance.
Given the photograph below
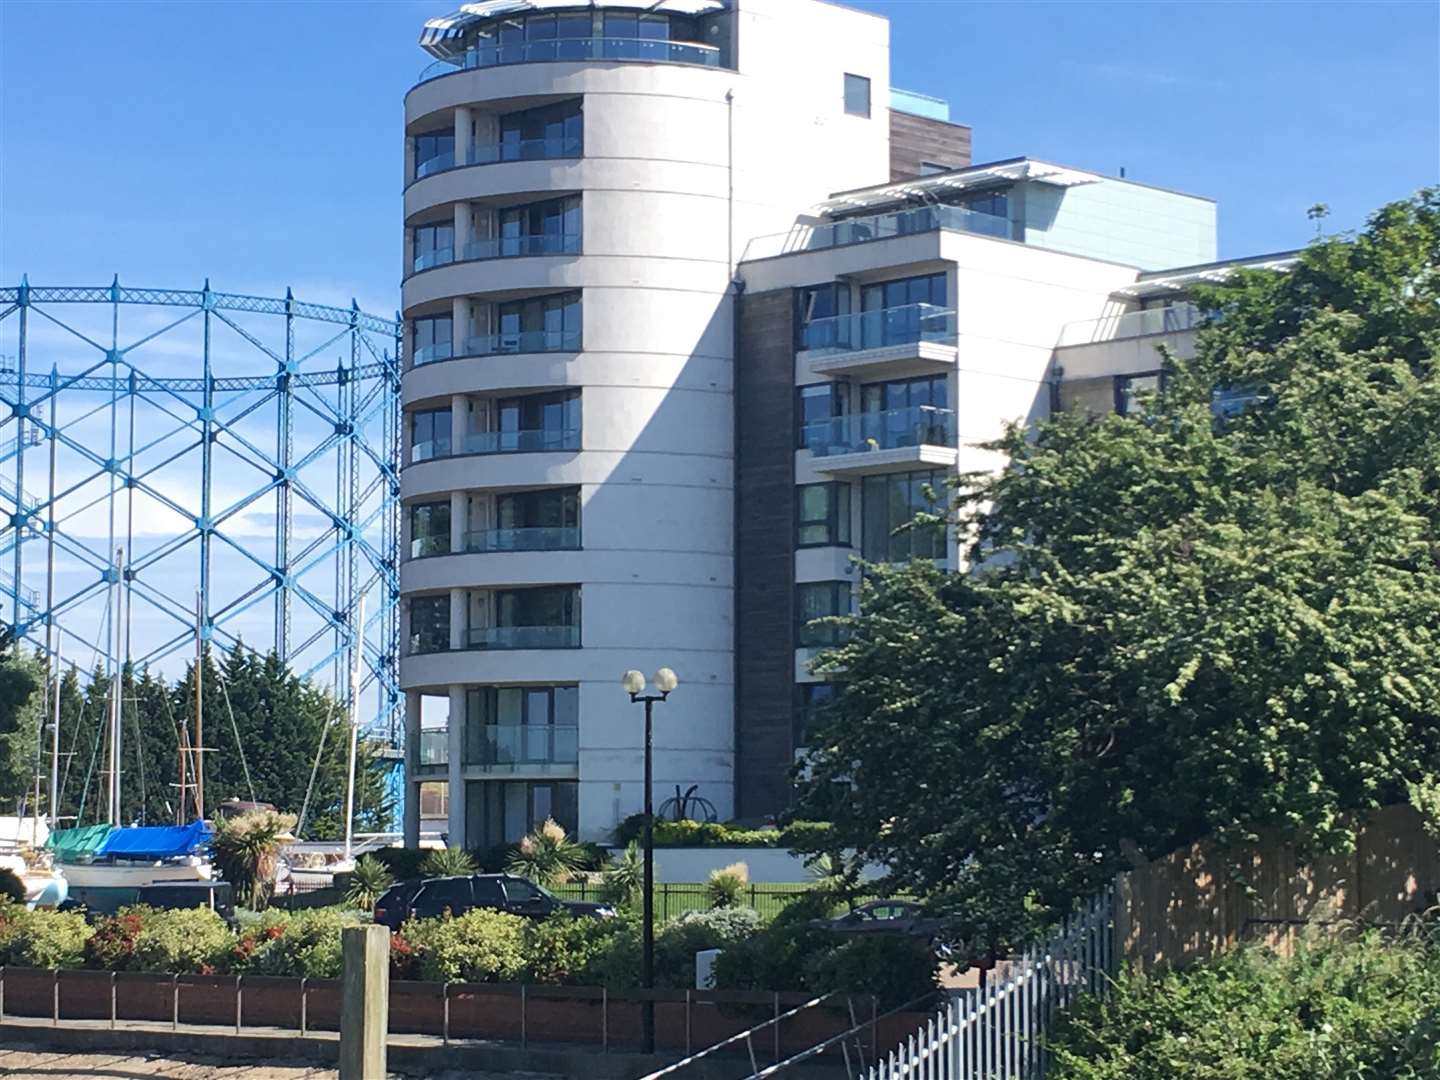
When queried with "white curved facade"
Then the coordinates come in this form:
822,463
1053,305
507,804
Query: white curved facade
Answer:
625,500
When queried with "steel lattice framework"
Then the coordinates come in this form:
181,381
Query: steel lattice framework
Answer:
233,454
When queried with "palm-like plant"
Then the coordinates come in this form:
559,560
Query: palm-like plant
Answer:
547,856
368,882
727,885
623,879
447,862
246,850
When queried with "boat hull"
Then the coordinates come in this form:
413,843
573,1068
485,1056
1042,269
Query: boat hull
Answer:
132,875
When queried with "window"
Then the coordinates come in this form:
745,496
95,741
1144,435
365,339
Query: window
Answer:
548,605
431,340
447,894
539,422
811,701
990,202
512,808
893,500
542,324
434,150
817,407
551,227
435,799
434,245
550,131
520,725
1130,389
818,600
857,95
824,515
906,412
430,529
816,324
429,434
487,891
429,624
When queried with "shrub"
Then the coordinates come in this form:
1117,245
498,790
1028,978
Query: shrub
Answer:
112,944
622,881
403,863
680,939
42,938
479,946
368,882
547,856
801,835
447,862
189,941
566,951
11,887
727,885
247,848
305,943
894,968
1342,1006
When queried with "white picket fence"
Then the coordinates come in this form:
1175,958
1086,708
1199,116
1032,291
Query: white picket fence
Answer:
997,1033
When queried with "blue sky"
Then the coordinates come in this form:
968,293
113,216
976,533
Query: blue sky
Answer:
258,142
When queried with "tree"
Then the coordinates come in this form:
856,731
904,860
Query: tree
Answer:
246,849
1177,625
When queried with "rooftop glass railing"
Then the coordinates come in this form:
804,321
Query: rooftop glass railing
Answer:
439,544
859,230
644,50
540,538
438,163
506,442
1129,324
523,637
509,247
891,429
877,329
434,746
523,341
530,744
558,146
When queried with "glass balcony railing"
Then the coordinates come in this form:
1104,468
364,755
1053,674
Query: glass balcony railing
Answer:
1169,320
420,546
555,147
530,744
434,746
438,163
523,341
429,449
523,637
438,257
647,50
505,442
877,329
543,538
429,640
858,230
509,247
440,350
892,429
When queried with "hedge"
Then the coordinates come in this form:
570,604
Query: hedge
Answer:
802,835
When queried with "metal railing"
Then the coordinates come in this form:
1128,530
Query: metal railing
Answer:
523,637
542,538
529,439
890,429
903,325
549,50
530,744
859,230
1168,320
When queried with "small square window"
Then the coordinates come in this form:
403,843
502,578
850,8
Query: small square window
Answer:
857,95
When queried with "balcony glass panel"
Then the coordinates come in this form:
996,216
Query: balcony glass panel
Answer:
530,744
523,341
421,546
918,425
556,538
547,149
857,230
523,637
502,442
645,50
1167,320
504,247
434,746
425,354
438,163
438,257
903,325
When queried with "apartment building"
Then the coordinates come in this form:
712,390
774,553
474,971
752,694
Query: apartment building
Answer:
692,316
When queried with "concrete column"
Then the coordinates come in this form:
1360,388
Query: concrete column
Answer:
459,422
463,235
459,314
459,520
364,1001
462,135
412,761
459,612
455,770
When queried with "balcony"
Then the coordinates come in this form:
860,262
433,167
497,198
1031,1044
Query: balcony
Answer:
530,440
434,747
876,442
643,50
429,450
523,341
428,354
501,247
910,339
860,230
1132,324
558,538
513,747
523,637
438,257
429,640
438,163
421,546
554,148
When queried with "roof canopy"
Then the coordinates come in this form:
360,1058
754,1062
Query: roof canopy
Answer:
1179,280
156,841
955,180
443,37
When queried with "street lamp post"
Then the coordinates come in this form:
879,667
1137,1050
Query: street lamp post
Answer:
634,684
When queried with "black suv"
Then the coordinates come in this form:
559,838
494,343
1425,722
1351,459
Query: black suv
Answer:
433,897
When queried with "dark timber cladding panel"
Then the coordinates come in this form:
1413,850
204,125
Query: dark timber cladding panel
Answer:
764,551
917,139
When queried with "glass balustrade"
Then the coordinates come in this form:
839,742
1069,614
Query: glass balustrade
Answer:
429,449
440,350
530,744
1167,320
523,341
502,442
507,247
858,230
556,538
523,637
644,50
902,325
548,149
438,544
429,640
434,746
438,257
438,163
891,429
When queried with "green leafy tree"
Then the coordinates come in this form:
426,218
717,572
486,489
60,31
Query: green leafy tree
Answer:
1177,625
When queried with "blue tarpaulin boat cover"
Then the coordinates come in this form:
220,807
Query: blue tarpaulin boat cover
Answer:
156,841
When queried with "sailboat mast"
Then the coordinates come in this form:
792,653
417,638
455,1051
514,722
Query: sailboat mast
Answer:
199,712
115,740
359,646
55,745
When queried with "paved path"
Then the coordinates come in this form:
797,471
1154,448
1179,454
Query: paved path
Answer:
35,1064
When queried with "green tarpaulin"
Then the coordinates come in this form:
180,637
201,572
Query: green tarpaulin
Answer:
68,844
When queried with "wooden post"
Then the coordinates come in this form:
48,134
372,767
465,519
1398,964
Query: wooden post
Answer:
365,1001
